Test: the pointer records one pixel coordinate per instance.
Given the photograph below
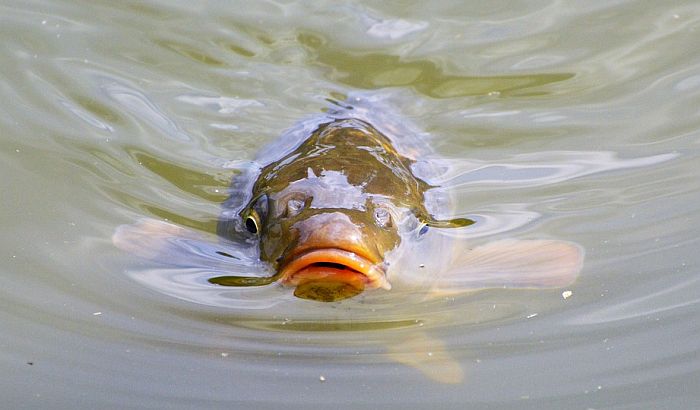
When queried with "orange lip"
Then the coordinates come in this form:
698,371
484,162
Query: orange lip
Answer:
334,264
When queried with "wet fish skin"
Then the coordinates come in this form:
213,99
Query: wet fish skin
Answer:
345,187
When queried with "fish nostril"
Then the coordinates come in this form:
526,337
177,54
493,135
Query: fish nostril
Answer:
294,206
383,217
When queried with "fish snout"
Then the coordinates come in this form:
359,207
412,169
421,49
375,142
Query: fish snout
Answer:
332,259
332,229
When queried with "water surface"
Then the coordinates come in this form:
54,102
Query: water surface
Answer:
551,120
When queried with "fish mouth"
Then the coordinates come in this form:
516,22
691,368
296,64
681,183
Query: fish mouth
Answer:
332,274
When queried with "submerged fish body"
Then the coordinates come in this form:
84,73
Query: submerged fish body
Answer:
341,204
331,214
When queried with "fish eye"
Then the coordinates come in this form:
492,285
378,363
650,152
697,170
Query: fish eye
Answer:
252,222
254,215
383,217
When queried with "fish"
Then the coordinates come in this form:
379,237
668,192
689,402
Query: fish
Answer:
342,205
328,214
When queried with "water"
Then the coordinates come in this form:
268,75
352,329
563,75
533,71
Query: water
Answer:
552,120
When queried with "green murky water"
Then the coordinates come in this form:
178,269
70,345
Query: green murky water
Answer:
558,120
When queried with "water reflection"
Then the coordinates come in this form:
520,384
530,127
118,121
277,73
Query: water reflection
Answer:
375,71
142,108
191,91
676,297
537,168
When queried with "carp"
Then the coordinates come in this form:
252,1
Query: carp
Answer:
337,206
343,204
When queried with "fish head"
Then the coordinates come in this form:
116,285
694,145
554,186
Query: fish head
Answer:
329,213
327,238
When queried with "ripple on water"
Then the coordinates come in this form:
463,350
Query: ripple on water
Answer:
116,112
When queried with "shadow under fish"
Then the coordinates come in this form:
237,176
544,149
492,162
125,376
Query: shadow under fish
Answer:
337,208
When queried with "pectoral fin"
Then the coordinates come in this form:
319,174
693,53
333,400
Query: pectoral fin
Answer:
512,264
174,245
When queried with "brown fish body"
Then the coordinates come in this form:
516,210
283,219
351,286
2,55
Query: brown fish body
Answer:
328,213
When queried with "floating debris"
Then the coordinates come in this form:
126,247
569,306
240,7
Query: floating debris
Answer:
566,294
